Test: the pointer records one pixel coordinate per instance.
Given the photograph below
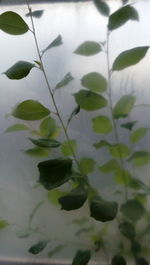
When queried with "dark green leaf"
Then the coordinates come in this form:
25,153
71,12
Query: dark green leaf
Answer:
54,195
74,113
86,165
44,142
36,13
65,81
68,147
37,152
119,150
133,210
17,127
39,247
95,82
81,257
56,42
102,210
136,184
102,7
12,23
55,250
135,247
118,260
90,101
138,134
55,172
101,144
123,106
110,166
73,200
88,48
102,124
19,70
129,125
121,16
141,261
47,127
128,230
140,158
30,110
129,58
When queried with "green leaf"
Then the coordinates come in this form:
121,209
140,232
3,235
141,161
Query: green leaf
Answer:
122,177
12,23
54,195
138,134
88,48
123,106
128,125
141,261
34,211
3,224
30,110
55,172
102,124
17,127
119,150
39,247
68,147
90,101
102,7
128,230
19,70
44,142
81,257
133,210
65,81
118,260
102,210
36,13
25,232
47,127
86,165
56,42
136,184
75,111
37,152
135,247
129,58
73,200
140,158
84,230
101,144
95,82
121,16
81,221
110,166
55,250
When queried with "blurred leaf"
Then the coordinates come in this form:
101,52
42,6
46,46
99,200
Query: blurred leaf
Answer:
138,134
123,106
73,113
90,101
119,150
121,16
65,81
88,48
25,232
54,195
55,172
55,250
118,260
34,211
84,230
128,230
102,7
81,221
86,165
44,142
102,124
3,224
95,82
133,210
37,152
19,70
135,247
101,144
110,166
56,42
141,261
122,177
39,247
36,13
81,257
140,158
47,126
129,125
68,147
17,127
129,58
30,110
12,23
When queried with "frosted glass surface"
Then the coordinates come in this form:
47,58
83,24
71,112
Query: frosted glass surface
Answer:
18,175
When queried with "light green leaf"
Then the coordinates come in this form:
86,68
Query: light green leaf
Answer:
140,158
12,23
73,113
102,7
121,16
17,127
127,229
110,166
90,101
39,247
55,250
56,42
133,210
118,260
30,110
37,152
86,165
65,81
129,125
129,58
81,221
102,143
88,48
123,106
36,13
81,257
54,195
44,142
138,134
102,210
47,127
68,147
3,224
55,172
102,124
19,70
122,177
119,150
95,82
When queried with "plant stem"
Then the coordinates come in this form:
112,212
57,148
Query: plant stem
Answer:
111,110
